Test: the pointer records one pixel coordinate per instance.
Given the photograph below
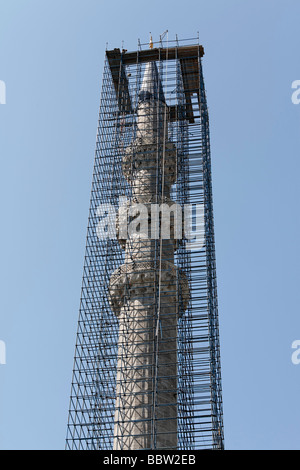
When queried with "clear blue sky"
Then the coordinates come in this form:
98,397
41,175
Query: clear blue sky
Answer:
51,59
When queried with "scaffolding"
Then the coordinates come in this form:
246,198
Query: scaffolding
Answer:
147,357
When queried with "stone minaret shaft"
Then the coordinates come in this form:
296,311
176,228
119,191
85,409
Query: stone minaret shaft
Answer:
148,292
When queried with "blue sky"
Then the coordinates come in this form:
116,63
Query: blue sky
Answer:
51,60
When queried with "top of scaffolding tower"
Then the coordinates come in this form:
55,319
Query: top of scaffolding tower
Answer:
188,57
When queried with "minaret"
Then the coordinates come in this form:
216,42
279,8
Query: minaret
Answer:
148,291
